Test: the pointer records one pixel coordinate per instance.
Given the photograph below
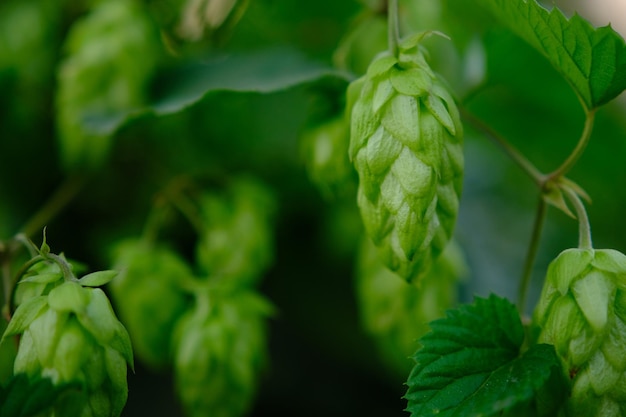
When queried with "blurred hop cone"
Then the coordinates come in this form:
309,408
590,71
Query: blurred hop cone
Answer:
72,335
582,312
397,313
406,145
220,349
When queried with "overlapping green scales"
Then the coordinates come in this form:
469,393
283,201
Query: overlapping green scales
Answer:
582,312
406,145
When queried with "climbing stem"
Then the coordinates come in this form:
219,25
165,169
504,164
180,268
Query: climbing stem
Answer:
510,150
531,254
393,27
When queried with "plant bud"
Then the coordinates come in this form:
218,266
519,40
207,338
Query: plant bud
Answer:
149,297
582,312
72,335
397,313
220,350
237,244
406,145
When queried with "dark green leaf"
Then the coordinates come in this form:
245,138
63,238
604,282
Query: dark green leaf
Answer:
26,397
470,364
592,60
264,71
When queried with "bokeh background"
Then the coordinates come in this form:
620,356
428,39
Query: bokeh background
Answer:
322,362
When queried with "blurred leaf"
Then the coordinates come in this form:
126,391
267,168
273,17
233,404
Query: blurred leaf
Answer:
592,60
265,71
26,397
470,365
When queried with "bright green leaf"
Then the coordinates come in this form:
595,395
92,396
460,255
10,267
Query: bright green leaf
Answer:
470,365
24,315
96,279
46,278
592,60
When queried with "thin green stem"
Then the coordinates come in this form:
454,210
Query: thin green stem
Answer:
59,200
578,150
531,255
66,268
584,229
510,150
393,27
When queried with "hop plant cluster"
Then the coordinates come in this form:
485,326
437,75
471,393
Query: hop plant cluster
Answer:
207,321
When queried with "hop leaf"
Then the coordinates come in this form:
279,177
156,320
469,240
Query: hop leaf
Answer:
72,336
220,349
397,313
149,297
582,312
237,243
406,146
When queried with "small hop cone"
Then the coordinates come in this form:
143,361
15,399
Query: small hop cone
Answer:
397,313
237,243
582,312
406,145
220,349
325,149
149,297
72,335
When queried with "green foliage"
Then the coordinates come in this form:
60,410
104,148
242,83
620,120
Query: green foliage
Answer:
472,365
592,60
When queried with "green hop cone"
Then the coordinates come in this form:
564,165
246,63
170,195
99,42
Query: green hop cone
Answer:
325,149
582,312
111,55
237,243
148,294
406,145
397,313
71,335
220,350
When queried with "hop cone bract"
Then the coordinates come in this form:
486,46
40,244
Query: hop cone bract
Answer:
582,312
406,145
71,335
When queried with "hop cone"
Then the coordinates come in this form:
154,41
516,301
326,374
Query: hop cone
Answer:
582,312
112,52
148,296
325,148
397,313
72,335
237,244
220,349
406,145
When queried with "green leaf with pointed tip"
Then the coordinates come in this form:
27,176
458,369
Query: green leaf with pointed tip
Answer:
470,365
593,61
46,278
96,279
24,315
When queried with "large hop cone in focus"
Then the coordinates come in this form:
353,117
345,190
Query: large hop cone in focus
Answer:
406,145
582,312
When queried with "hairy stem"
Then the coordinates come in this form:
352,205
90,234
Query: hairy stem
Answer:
578,150
393,26
584,229
510,150
533,247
